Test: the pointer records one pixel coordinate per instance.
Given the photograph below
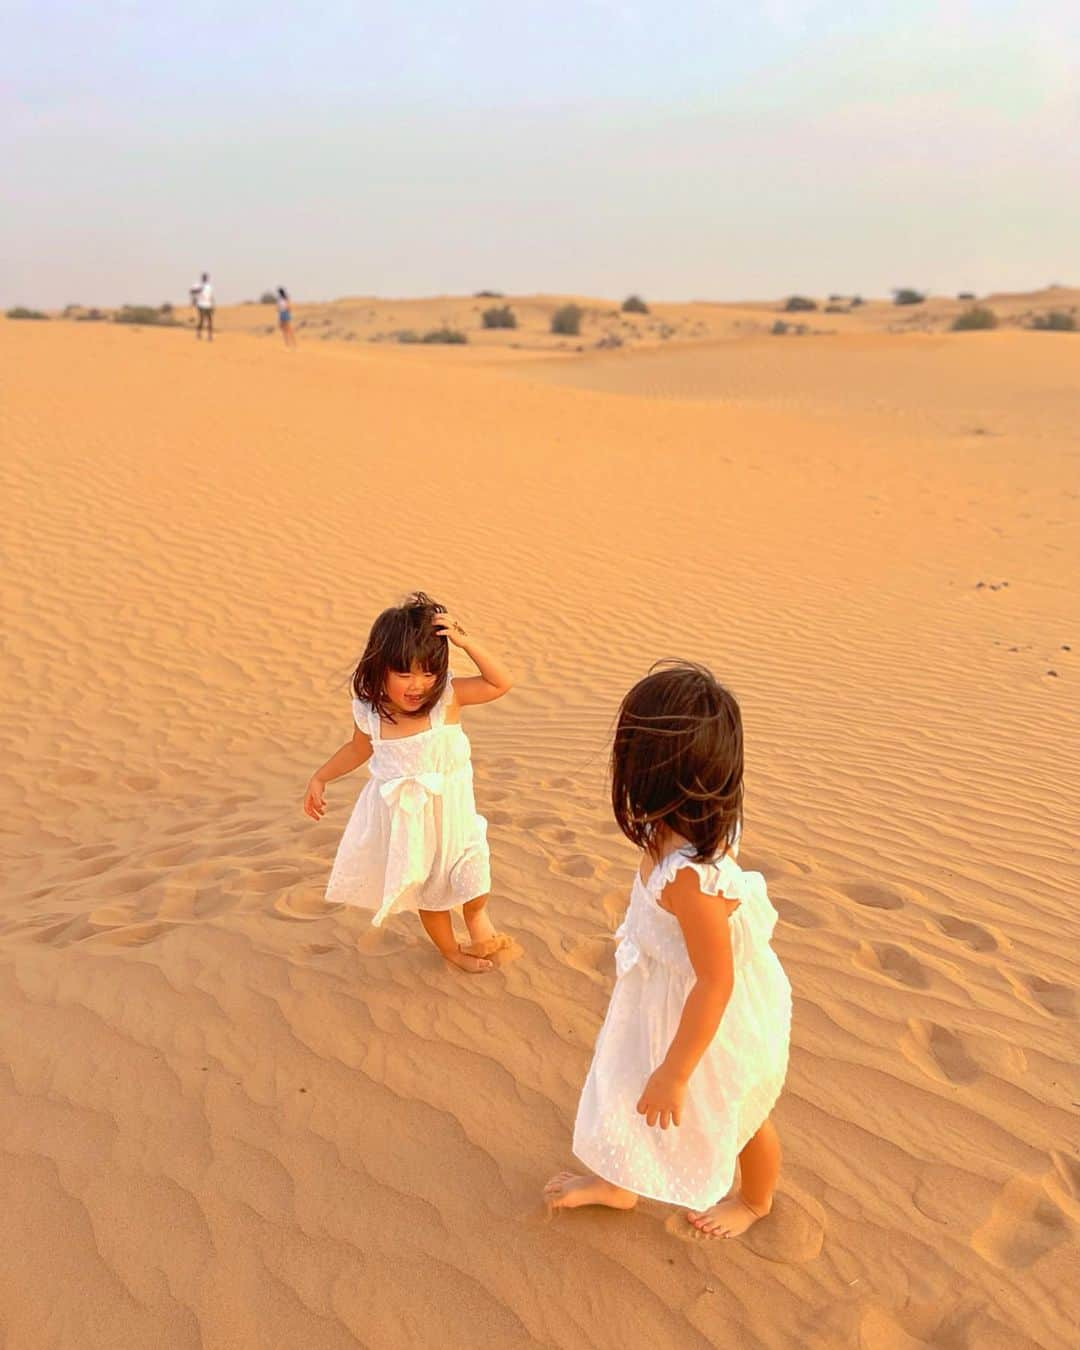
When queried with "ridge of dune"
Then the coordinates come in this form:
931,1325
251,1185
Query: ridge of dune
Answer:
232,1116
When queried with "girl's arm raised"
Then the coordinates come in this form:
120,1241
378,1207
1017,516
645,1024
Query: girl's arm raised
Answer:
704,923
492,682
350,756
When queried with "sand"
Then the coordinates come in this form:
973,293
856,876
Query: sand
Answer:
232,1116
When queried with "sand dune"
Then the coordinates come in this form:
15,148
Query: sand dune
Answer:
231,1116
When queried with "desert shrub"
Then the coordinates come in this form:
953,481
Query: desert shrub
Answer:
567,320
406,335
795,304
609,341
1057,321
268,298
978,316
965,295
633,304
904,295
836,309
149,315
499,316
91,316
779,328
856,301
165,310
21,312
487,295
450,336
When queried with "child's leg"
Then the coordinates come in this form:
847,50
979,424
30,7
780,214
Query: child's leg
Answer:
439,926
568,1190
759,1170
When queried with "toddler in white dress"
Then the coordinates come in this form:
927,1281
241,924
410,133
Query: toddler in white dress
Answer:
415,840
693,1051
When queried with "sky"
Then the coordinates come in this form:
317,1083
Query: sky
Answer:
690,149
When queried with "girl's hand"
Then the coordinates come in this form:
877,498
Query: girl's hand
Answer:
315,799
449,627
663,1099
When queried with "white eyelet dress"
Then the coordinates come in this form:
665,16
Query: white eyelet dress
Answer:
740,1075
414,839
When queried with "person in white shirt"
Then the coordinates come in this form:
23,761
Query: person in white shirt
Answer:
202,297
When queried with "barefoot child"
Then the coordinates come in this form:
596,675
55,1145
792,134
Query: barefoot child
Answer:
693,1050
414,840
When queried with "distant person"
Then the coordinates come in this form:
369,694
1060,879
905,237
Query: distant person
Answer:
202,297
694,1049
284,316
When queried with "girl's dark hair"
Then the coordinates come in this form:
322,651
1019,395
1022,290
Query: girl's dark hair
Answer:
282,292
677,761
399,637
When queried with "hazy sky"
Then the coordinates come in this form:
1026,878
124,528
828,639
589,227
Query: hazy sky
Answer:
682,148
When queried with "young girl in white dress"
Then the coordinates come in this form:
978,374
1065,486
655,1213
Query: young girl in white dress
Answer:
415,840
693,1051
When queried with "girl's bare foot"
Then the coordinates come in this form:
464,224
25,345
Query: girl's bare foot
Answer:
483,939
498,942
567,1190
472,965
727,1219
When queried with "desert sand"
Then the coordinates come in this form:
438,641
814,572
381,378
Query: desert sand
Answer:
232,1116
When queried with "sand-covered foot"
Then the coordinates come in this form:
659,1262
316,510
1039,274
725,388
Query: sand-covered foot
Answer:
472,965
727,1219
498,942
569,1190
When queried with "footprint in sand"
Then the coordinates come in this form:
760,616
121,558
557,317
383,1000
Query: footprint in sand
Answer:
871,895
1056,999
577,865
796,915
897,963
301,906
792,1234
939,1052
977,938
1024,1224
592,956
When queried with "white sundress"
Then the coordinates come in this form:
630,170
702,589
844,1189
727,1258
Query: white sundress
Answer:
740,1075
414,839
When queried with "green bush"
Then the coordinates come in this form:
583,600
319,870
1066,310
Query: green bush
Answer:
160,316
633,304
487,295
904,295
450,336
499,316
567,320
91,316
268,298
965,295
978,316
856,301
779,328
1057,321
21,312
798,303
